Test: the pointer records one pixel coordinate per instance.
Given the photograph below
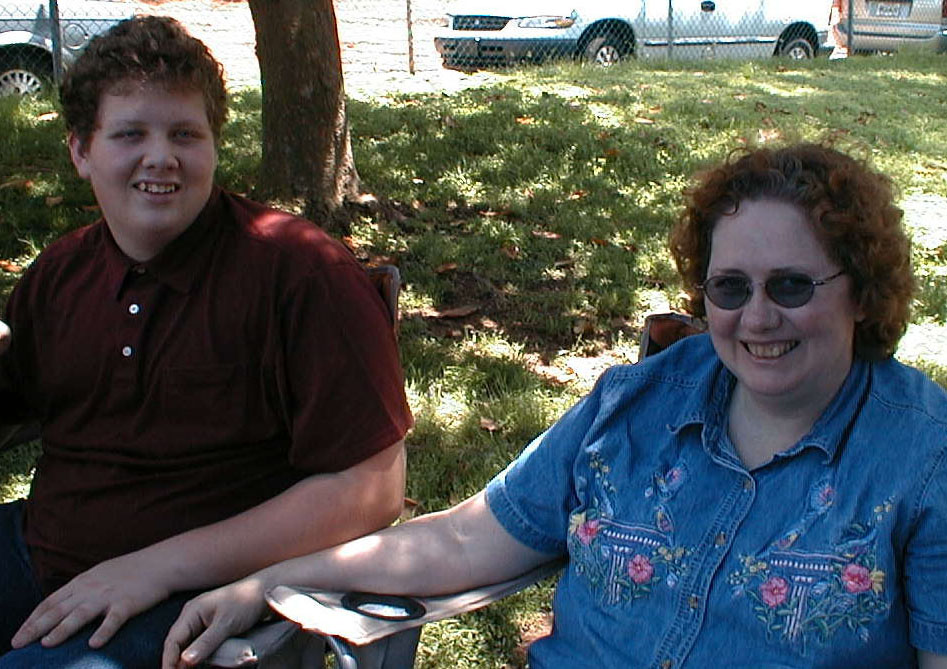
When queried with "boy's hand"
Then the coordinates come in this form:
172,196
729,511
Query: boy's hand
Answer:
211,619
115,590
5,336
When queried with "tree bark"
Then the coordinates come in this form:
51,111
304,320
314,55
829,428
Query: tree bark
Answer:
307,153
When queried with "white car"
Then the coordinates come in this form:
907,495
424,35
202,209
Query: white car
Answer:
499,32
890,25
26,37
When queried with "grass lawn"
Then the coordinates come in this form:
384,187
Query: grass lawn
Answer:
529,219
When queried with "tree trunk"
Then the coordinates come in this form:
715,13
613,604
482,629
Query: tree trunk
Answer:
307,154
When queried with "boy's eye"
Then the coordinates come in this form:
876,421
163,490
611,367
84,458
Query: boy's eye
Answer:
128,134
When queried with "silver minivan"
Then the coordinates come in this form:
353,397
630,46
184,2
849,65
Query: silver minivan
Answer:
892,25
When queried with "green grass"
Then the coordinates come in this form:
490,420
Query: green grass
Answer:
540,204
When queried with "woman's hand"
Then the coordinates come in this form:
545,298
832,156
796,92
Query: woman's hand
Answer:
210,619
5,336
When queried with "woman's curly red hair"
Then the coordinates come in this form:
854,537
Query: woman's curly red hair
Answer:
851,209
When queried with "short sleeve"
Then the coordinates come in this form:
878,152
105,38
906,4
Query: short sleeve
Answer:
533,497
926,565
346,387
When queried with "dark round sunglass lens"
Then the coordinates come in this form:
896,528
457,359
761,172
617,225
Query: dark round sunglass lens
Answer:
790,291
728,292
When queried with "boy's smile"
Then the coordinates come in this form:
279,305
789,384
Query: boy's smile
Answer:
151,162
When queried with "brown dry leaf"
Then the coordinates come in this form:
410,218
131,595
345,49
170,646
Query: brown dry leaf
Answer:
458,312
48,116
525,120
17,183
655,110
446,267
546,234
53,200
644,121
612,153
577,194
90,207
512,252
599,242
488,424
769,135
11,267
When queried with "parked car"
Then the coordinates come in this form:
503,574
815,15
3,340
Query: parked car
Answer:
26,38
891,25
499,32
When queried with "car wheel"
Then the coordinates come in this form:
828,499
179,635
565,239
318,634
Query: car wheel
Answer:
606,49
17,78
798,48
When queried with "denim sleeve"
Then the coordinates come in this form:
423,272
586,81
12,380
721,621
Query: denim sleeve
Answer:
533,496
926,565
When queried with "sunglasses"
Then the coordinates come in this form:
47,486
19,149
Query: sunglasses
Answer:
787,290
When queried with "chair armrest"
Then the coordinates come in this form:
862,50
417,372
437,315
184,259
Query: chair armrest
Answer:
362,618
278,644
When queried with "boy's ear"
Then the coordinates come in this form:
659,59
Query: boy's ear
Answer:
77,151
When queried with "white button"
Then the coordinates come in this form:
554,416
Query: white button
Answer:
127,351
133,309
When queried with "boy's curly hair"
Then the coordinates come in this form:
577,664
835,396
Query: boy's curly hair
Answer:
141,50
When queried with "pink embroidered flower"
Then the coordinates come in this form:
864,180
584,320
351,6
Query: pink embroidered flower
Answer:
587,531
640,569
856,578
774,591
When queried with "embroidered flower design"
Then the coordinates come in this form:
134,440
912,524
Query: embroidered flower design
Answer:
586,531
856,578
640,569
774,591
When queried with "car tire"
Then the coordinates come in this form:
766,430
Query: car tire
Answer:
797,48
20,78
605,49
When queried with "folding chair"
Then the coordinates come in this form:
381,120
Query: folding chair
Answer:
276,644
352,622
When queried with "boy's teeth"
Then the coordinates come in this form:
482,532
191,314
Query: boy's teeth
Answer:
157,188
770,350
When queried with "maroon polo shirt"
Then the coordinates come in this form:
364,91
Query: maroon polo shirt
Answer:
251,352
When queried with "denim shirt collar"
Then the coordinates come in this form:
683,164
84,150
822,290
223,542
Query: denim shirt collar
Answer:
708,409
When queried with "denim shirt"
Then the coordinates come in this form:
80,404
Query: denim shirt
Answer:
833,554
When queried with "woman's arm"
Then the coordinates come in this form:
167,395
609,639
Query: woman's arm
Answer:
450,551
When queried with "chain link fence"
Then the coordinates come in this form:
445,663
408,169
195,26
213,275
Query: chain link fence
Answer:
385,41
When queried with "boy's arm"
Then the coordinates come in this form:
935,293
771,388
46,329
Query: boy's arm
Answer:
444,552
319,511
4,336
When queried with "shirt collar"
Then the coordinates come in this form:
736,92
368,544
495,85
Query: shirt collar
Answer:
179,264
708,408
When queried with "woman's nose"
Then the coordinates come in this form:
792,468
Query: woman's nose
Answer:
760,312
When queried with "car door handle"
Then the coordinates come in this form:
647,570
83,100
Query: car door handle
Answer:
707,6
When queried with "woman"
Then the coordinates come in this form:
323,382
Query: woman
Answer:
774,494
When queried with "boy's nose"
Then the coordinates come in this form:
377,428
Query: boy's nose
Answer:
160,154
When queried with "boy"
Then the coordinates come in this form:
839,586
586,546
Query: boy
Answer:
218,383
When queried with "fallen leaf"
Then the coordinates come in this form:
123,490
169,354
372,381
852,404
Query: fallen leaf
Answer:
612,153
48,116
655,110
644,121
546,234
512,252
17,183
53,200
577,194
599,242
446,267
458,312
11,267
525,120
488,424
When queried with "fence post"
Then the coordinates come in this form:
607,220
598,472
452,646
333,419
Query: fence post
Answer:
670,28
56,36
850,28
410,38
